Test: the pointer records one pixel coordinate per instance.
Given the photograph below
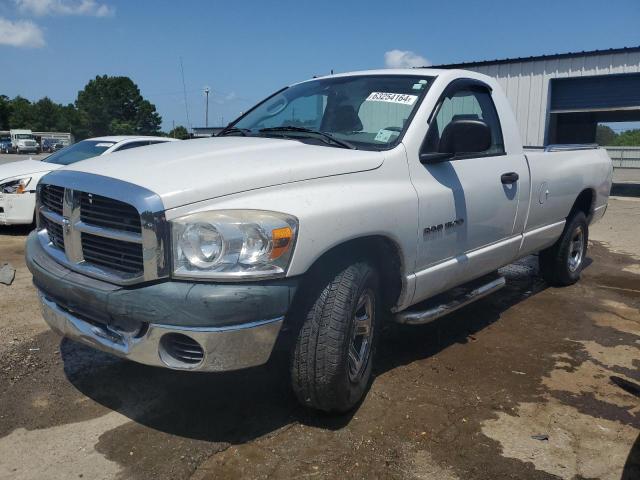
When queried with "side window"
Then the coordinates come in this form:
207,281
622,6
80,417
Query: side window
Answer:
465,104
129,145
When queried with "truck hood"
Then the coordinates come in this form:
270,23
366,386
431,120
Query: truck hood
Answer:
194,170
25,168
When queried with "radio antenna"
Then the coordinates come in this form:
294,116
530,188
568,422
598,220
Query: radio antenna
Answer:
184,90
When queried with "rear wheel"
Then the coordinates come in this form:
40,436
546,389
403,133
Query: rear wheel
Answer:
562,263
332,358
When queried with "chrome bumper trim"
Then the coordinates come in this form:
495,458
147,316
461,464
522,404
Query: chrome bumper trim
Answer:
225,348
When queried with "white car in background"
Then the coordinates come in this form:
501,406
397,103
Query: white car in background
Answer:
18,179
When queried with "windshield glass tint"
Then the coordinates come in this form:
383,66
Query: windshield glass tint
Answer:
78,151
370,112
23,136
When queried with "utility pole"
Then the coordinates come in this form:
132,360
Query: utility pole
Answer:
206,115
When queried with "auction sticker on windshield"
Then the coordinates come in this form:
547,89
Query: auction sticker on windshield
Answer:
384,135
402,98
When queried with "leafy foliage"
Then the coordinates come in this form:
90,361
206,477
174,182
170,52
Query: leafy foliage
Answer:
113,105
105,106
630,138
179,132
606,136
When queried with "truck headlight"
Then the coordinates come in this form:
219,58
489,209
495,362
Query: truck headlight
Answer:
17,185
233,244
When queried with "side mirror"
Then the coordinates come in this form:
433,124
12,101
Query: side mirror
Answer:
460,136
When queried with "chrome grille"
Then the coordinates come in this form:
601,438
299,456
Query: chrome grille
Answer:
83,226
52,196
109,213
54,231
110,253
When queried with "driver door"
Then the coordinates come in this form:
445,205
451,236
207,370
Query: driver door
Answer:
466,210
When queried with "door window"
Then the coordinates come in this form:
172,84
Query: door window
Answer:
465,104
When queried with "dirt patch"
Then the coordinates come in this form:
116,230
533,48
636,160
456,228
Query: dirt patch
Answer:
574,447
19,312
618,229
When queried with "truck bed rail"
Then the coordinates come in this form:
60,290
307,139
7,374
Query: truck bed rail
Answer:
562,147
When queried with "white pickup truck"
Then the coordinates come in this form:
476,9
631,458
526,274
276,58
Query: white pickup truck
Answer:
332,206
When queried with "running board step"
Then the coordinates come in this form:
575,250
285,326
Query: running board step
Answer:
446,303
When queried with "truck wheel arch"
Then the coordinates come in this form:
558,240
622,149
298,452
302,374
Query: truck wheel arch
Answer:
383,252
585,202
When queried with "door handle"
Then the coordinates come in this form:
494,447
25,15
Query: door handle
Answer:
508,178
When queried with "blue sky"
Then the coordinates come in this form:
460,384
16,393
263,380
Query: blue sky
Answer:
245,50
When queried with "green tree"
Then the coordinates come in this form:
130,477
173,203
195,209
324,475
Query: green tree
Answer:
179,132
148,120
111,105
71,120
5,112
22,113
605,135
47,115
629,138
120,127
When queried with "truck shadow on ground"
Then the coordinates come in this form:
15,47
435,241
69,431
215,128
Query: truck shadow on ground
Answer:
235,407
17,230
631,469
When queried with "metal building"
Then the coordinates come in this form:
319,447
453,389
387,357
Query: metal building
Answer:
561,98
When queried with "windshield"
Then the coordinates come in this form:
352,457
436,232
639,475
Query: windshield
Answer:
23,136
78,151
370,112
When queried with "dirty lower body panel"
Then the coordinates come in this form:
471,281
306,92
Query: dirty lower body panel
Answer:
179,325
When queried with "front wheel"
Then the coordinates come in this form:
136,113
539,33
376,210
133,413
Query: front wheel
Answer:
332,358
562,263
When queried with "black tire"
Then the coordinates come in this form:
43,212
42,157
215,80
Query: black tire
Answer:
324,376
559,264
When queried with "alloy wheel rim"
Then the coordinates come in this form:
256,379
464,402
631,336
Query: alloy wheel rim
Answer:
360,344
576,249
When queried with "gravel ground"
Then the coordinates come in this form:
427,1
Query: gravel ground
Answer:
12,157
460,398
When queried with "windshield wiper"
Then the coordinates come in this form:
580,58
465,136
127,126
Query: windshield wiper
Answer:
230,129
326,136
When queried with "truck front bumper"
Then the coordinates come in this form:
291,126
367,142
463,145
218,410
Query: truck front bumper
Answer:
23,149
177,325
